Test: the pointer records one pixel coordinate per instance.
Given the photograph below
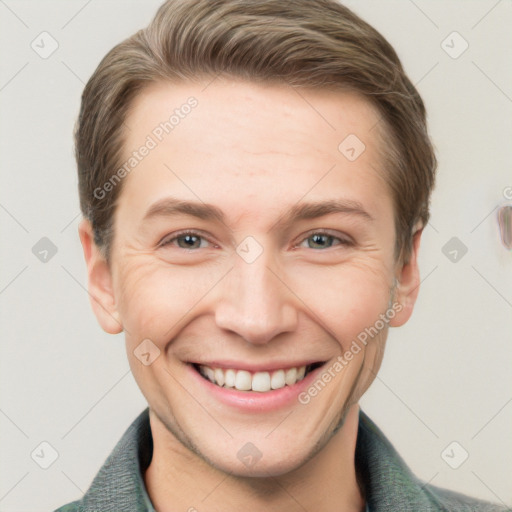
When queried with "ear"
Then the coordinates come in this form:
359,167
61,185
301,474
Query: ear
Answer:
408,277
101,292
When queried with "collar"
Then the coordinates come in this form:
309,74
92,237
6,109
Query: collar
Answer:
387,482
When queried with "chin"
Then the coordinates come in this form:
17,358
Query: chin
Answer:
270,466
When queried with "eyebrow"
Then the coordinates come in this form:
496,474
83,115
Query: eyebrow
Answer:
305,211
169,207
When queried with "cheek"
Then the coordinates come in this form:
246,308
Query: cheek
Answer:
154,297
346,299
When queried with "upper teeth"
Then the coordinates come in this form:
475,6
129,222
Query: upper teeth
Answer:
258,381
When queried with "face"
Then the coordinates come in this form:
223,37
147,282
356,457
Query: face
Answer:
251,252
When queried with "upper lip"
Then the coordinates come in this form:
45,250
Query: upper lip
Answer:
256,367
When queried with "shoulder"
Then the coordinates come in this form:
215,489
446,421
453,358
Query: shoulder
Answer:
74,506
119,483
447,500
390,485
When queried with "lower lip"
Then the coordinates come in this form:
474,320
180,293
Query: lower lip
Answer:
253,400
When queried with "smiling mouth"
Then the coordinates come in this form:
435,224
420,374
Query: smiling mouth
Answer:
262,382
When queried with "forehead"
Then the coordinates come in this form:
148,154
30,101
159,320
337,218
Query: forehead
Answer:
248,145
255,108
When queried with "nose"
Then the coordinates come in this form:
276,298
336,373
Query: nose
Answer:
255,303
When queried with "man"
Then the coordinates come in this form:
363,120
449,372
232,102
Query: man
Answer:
254,178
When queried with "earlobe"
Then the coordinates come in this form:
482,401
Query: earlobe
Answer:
100,286
406,291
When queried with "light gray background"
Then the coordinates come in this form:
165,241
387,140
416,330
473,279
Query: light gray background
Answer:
446,375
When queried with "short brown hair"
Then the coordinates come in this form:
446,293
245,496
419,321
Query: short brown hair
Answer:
312,43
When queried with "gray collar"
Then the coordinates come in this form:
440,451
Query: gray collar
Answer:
387,482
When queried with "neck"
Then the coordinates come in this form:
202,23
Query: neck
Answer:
178,479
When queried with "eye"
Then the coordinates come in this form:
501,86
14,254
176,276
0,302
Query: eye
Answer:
322,240
185,240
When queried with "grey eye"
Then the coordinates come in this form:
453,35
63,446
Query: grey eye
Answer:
189,241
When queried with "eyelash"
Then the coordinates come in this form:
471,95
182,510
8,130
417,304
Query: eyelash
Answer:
167,241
